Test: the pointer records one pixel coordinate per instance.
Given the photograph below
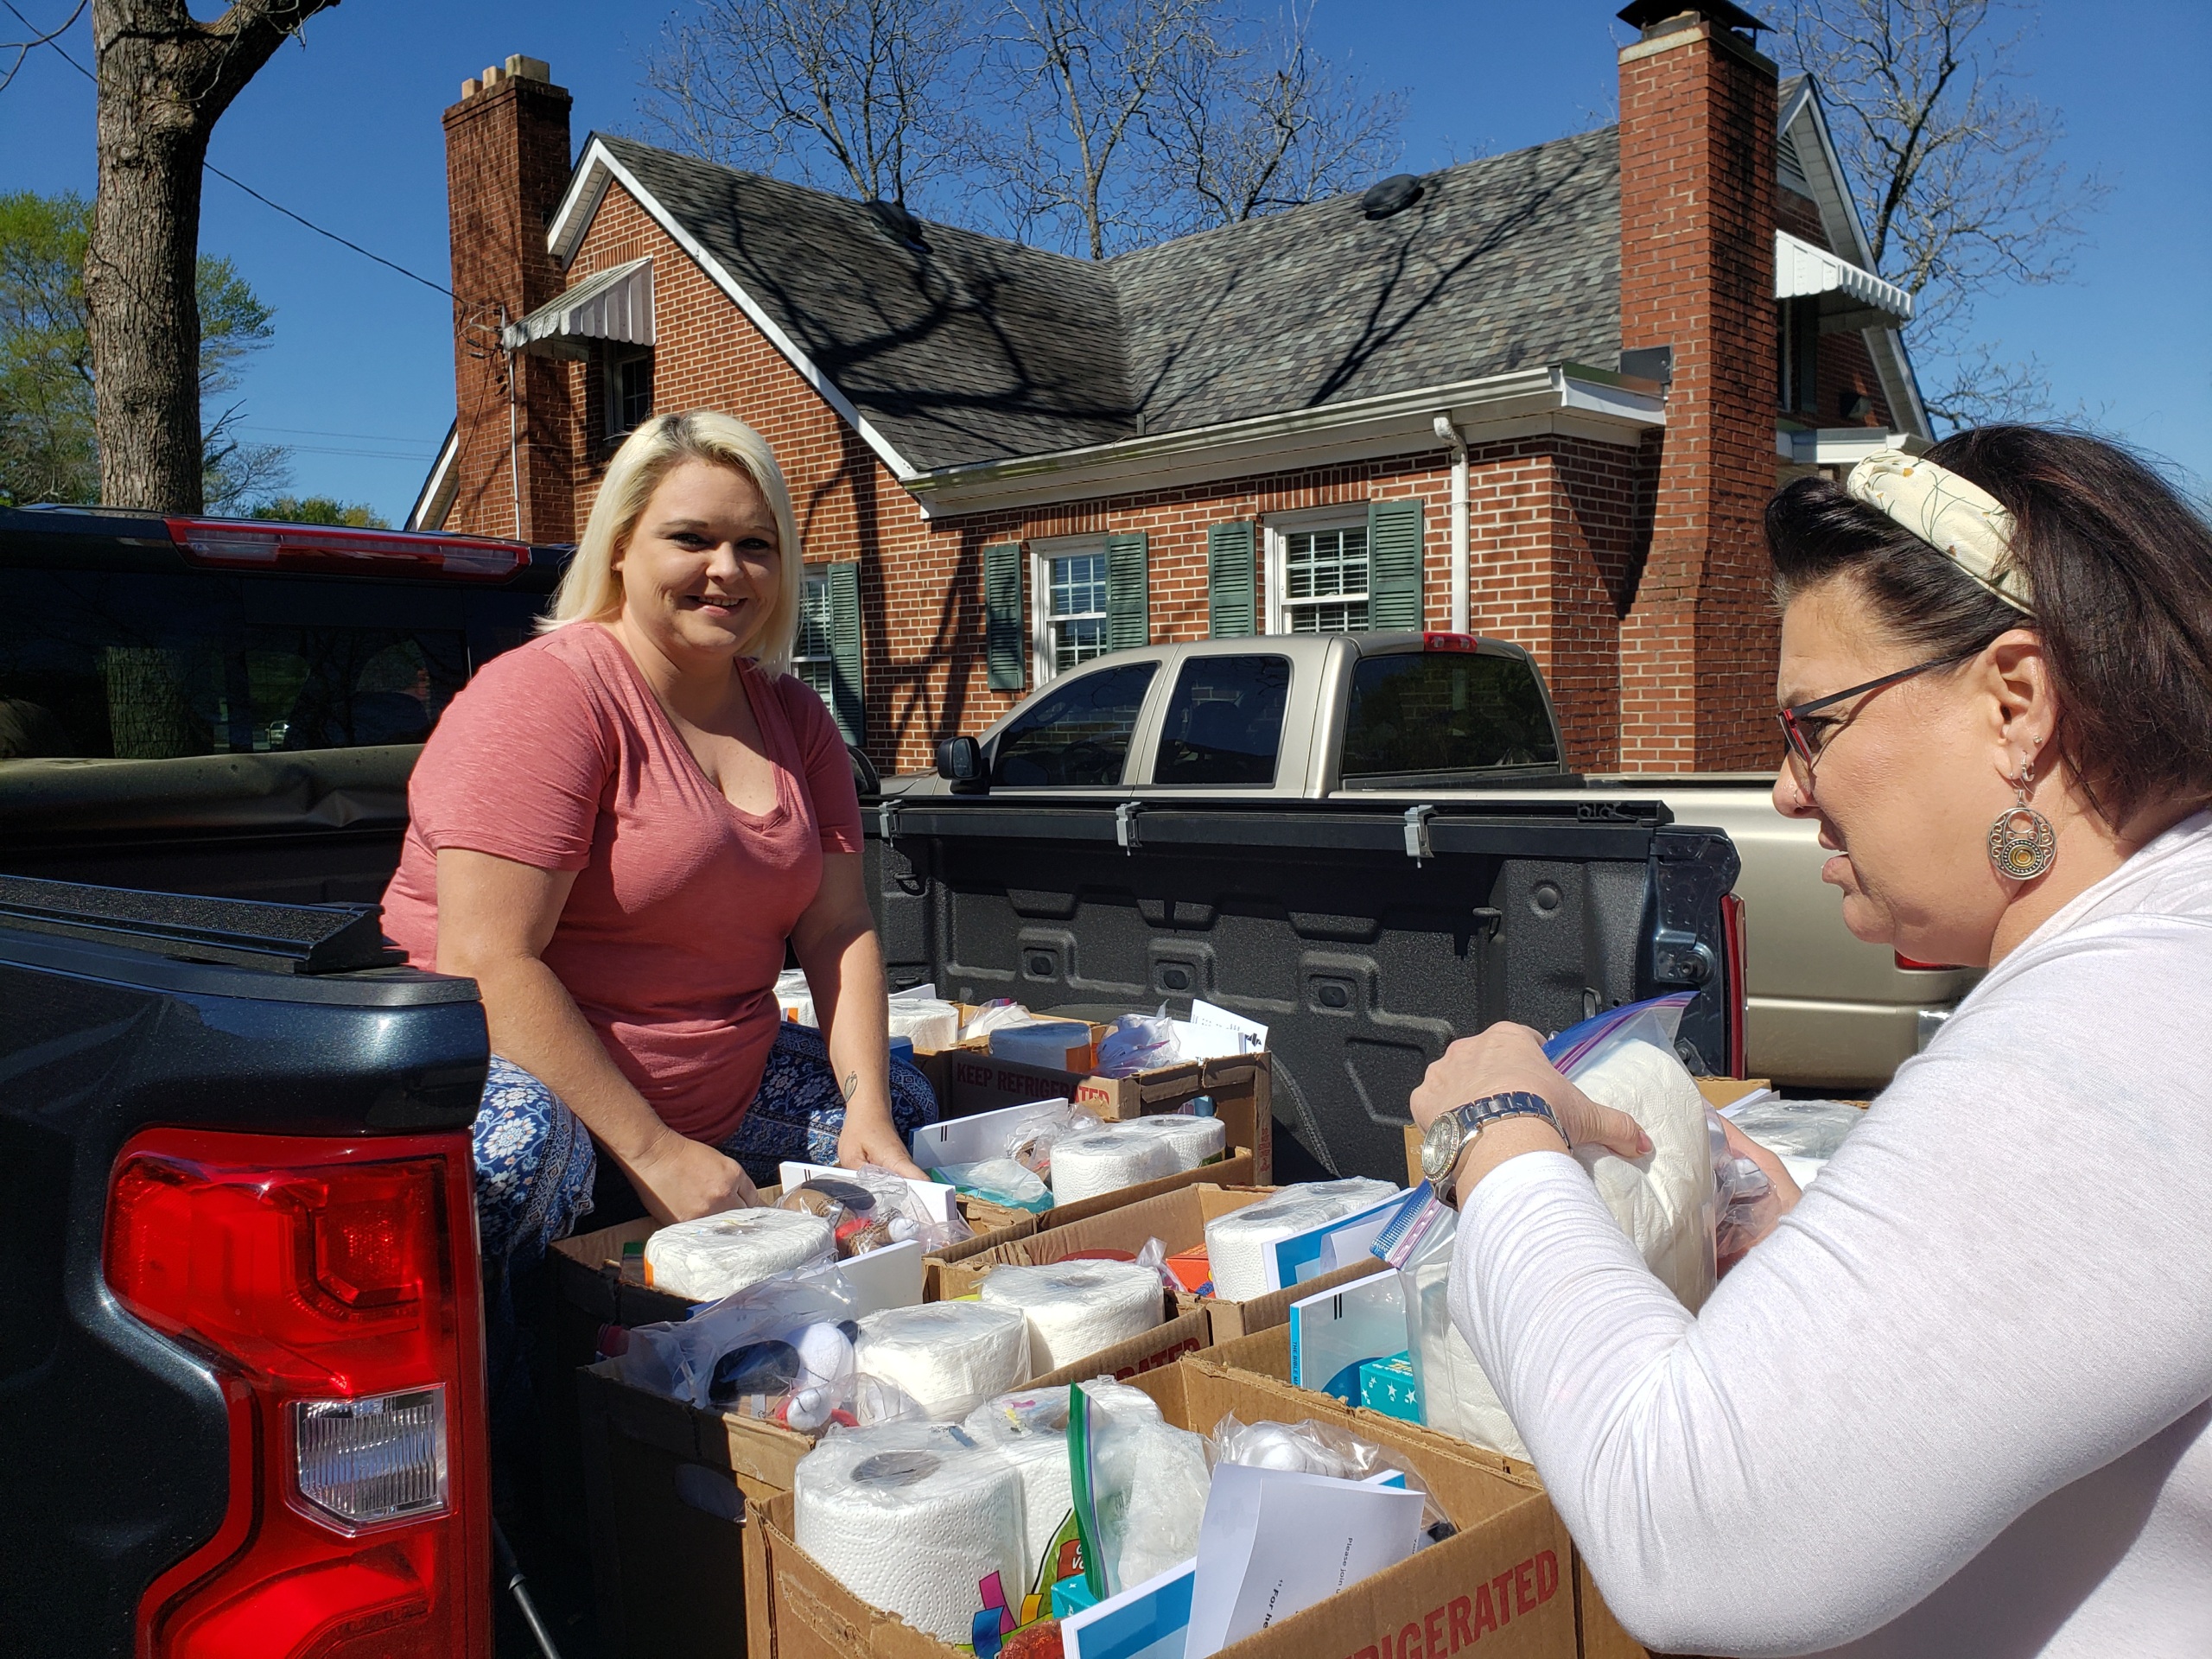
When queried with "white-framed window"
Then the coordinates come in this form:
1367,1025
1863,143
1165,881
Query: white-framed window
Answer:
811,650
1316,574
1067,588
629,388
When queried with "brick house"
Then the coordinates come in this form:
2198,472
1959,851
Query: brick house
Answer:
1542,396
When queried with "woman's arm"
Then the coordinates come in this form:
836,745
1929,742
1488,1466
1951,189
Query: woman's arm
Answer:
837,947
495,917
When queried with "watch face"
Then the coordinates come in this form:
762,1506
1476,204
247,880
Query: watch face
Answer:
1439,1148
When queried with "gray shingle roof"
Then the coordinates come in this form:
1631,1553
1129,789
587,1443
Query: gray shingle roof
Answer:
981,349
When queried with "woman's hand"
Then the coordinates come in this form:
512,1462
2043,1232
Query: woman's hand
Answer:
869,1137
1509,1059
681,1179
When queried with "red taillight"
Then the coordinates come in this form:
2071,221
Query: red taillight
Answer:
334,1284
1737,948
1451,642
340,551
1909,963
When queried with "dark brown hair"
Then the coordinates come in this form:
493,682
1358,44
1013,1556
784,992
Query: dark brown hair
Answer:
2121,568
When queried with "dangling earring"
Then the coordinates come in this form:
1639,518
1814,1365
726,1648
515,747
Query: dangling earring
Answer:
2022,843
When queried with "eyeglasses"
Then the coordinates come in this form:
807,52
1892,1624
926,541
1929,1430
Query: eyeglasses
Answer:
1807,732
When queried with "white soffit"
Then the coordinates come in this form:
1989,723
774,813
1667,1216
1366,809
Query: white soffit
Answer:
1803,272
616,304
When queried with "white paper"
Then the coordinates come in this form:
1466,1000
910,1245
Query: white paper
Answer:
970,1139
935,1195
1251,1035
1365,1320
888,1276
916,993
1273,1543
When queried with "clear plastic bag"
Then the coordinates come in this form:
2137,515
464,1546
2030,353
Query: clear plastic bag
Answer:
869,1208
782,1349
1139,1491
1747,1202
1808,1129
939,1360
999,1015
1139,1042
1003,1181
1315,1448
712,1256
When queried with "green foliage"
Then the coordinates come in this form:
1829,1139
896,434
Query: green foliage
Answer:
321,510
46,356
47,450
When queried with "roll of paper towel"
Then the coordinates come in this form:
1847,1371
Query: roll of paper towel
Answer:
1236,1243
1075,1308
947,1357
1196,1140
1108,1159
930,1025
1659,1200
912,1522
1030,1427
716,1256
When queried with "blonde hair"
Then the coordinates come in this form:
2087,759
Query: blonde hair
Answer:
591,588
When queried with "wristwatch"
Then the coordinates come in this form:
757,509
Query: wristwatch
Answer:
1450,1134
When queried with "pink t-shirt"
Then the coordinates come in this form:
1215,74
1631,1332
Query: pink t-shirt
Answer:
557,755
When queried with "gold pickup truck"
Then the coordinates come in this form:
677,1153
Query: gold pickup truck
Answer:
1439,719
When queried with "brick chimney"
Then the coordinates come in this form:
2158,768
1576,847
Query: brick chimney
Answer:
506,165
1698,646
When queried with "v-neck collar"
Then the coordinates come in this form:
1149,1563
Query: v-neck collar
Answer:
772,734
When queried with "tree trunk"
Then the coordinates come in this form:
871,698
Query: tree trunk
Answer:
164,82
138,280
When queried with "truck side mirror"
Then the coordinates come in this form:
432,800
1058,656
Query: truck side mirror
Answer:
960,760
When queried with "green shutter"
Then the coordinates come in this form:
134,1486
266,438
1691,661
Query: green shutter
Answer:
1229,581
846,701
1128,591
1394,538
1003,629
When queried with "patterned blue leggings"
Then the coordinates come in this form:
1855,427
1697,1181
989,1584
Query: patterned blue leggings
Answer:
535,1160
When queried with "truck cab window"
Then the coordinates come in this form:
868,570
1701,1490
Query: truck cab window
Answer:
1078,732
1225,722
1430,713
155,666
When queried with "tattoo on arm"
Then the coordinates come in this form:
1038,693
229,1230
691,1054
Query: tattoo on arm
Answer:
851,1085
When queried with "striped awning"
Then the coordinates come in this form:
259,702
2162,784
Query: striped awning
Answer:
1850,297
615,304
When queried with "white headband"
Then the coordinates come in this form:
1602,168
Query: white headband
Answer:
1959,519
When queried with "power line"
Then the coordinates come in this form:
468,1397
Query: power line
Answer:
50,40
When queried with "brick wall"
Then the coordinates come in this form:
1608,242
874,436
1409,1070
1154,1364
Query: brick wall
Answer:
1843,366
1699,641
506,166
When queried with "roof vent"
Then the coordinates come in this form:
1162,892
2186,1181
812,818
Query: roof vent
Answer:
902,225
1392,195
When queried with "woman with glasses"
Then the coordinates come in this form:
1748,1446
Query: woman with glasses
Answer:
1960,1401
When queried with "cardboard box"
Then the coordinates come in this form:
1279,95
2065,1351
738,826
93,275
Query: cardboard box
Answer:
672,1493
1506,1579
1242,1087
1179,1220
1266,1354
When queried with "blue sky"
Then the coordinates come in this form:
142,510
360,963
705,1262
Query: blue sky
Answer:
345,130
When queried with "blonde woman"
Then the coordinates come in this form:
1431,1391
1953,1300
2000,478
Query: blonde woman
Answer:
615,828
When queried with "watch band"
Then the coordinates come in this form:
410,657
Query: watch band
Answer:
1449,1135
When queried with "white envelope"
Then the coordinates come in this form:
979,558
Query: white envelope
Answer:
937,1198
959,1140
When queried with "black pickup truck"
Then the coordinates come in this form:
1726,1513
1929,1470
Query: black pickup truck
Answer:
234,1164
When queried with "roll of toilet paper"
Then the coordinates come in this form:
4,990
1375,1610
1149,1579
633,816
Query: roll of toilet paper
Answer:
1075,1308
946,1357
1031,1431
1236,1243
1108,1159
912,1520
716,1256
1197,1140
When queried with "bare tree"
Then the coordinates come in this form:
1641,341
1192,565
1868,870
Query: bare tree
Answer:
1953,167
165,80
1088,72
1249,127
865,95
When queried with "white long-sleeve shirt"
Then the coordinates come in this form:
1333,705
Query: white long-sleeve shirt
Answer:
1959,1403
